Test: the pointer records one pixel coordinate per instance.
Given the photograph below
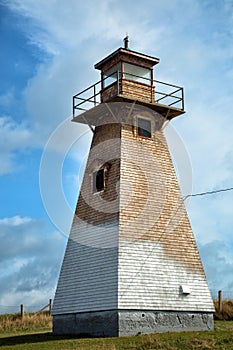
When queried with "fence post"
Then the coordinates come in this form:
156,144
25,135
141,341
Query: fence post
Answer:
219,301
50,306
22,311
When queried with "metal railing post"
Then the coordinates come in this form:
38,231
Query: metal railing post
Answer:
94,96
182,95
73,105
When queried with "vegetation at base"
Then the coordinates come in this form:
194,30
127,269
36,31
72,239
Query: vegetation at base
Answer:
227,310
31,322
34,333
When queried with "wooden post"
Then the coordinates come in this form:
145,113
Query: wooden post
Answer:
22,311
50,306
219,301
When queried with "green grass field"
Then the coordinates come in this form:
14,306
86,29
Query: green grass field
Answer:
34,332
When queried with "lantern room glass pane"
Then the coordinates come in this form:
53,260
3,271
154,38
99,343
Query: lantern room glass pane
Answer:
110,76
137,73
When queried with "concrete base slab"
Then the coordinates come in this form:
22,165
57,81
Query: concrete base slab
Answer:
146,322
91,324
116,323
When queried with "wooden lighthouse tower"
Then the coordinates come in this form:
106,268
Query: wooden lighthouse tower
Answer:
131,264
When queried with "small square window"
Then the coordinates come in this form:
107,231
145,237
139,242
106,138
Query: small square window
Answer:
98,180
144,127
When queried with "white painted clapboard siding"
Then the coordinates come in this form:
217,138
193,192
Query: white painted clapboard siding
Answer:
148,279
88,278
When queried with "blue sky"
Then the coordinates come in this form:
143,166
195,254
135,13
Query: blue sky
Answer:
48,49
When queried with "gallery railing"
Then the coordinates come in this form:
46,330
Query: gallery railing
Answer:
160,92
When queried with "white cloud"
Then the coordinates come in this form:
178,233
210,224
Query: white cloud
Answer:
6,99
30,258
14,138
15,221
211,217
58,24
218,264
207,132
13,135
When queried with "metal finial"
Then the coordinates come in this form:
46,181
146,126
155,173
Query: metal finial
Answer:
126,41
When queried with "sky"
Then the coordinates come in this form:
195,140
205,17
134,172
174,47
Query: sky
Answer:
48,50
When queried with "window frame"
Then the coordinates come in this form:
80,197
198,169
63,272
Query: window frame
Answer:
140,128
137,78
97,174
110,76
104,168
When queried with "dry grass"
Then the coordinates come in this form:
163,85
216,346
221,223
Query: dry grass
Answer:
227,310
13,322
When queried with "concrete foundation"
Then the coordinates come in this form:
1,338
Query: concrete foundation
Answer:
116,323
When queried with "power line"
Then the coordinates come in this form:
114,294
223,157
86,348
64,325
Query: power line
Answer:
207,193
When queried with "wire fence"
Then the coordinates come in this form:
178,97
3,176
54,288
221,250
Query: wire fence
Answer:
226,294
14,309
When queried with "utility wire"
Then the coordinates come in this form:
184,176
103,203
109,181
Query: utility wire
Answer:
207,193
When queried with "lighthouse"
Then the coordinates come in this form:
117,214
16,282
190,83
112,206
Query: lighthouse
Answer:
131,264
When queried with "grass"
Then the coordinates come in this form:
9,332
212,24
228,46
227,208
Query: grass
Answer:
34,333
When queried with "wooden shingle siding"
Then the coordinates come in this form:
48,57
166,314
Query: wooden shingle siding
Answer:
136,90
129,88
109,92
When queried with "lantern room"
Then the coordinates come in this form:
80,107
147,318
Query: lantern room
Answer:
127,73
127,76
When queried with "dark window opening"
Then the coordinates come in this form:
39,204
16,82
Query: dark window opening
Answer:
99,180
144,127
